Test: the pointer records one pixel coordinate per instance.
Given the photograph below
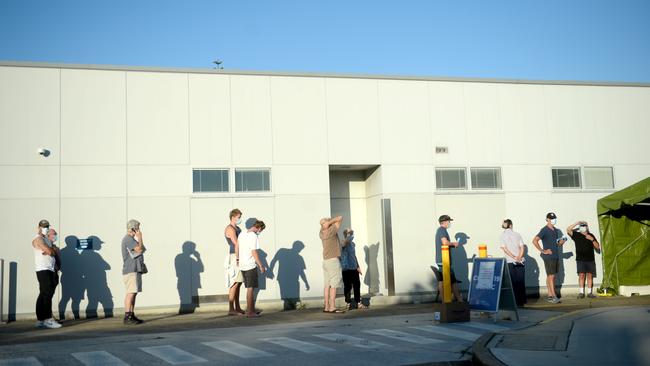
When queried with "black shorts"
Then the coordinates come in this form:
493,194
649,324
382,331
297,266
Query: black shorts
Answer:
453,275
586,267
251,278
552,265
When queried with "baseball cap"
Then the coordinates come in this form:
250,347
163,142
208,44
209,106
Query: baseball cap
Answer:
445,218
551,216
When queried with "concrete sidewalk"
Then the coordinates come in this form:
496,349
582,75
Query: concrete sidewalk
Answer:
617,335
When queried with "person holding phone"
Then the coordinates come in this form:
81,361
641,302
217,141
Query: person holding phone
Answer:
133,256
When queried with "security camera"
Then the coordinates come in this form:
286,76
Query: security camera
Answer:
43,152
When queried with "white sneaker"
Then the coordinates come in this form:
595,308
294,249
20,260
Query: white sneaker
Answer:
51,323
39,324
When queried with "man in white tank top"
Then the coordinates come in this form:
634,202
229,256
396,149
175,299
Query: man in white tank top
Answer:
45,262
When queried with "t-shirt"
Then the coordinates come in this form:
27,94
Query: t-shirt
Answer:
584,247
512,241
549,239
248,241
43,262
133,262
442,233
331,243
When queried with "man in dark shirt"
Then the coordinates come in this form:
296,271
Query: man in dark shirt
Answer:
551,238
585,261
442,238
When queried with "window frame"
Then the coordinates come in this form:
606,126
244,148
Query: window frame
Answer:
235,170
584,178
204,193
581,180
451,168
500,180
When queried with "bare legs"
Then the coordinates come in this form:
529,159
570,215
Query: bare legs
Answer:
129,302
330,298
233,299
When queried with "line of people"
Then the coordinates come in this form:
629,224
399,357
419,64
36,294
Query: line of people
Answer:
551,239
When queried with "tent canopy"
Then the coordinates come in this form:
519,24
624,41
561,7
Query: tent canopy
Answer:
624,218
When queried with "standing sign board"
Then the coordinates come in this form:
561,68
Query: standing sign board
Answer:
490,288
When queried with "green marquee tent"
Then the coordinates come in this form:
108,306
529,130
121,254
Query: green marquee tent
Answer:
624,218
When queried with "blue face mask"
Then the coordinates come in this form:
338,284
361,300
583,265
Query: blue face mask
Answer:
554,221
239,221
351,237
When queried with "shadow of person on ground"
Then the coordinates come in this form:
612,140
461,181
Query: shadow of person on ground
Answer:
189,266
94,274
371,279
291,268
532,275
459,260
72,281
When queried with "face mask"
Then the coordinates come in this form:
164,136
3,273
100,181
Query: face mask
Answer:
504,226
56,237
449,225
257,233
44,230
554,221
239,221
351,237
582,229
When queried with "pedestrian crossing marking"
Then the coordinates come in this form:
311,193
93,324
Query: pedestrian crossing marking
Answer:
402,336
98,358
356,342
447,332
237,349
27,361
304,347
172,355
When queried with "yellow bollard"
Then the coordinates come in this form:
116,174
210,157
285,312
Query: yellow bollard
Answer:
446,275
482,251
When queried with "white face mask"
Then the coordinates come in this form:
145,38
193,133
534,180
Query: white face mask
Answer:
554,221
582,229
44,230
56,237
449,225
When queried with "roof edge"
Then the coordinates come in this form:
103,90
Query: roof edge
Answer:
309,74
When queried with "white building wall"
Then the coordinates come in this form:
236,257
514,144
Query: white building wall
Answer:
123,145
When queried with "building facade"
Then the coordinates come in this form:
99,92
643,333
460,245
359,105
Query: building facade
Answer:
178,149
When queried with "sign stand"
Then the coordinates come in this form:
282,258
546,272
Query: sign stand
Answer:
490,288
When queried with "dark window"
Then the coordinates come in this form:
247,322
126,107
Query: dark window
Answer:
210,180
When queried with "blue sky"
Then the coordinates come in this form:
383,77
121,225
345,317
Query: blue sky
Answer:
546,39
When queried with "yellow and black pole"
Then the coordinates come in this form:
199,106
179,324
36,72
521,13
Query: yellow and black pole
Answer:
446,275
482,251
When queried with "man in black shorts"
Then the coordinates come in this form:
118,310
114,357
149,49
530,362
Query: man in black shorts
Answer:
249,263
551,238
585,261
442,238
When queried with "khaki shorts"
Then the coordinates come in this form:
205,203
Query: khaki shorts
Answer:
133,282
332,273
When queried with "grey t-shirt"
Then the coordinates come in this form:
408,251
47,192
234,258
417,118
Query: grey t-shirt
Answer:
133,262
442,233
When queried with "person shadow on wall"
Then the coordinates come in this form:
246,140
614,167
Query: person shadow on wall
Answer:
72,281
291,268
532,275
189,267
459,260
261,277
371,278
561,273
94,274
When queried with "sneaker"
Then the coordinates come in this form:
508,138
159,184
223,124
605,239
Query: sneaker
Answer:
556,300
39,324
51,324
581,296
132,320
592,296
550,299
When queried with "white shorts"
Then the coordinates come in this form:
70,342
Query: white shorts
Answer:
233,274
133,282
332,273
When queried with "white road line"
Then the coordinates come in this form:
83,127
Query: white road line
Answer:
98,358
173,355
356,342
237,349
447,332
482,326
401,336
304,347
27,361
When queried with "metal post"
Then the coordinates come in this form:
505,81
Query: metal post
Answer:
446,275
2,289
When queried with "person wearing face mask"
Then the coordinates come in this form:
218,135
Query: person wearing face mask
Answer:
442,238
585,261
351,271
551,238
250,264
513,246
45,264
234,277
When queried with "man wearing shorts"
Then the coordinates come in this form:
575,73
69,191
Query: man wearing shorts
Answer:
233,274
133,256
551,238
332,272
249,262
585,261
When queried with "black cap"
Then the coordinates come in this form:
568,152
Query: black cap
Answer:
445,218
551,216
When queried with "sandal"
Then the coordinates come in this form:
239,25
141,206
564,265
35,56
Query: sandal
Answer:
336,311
